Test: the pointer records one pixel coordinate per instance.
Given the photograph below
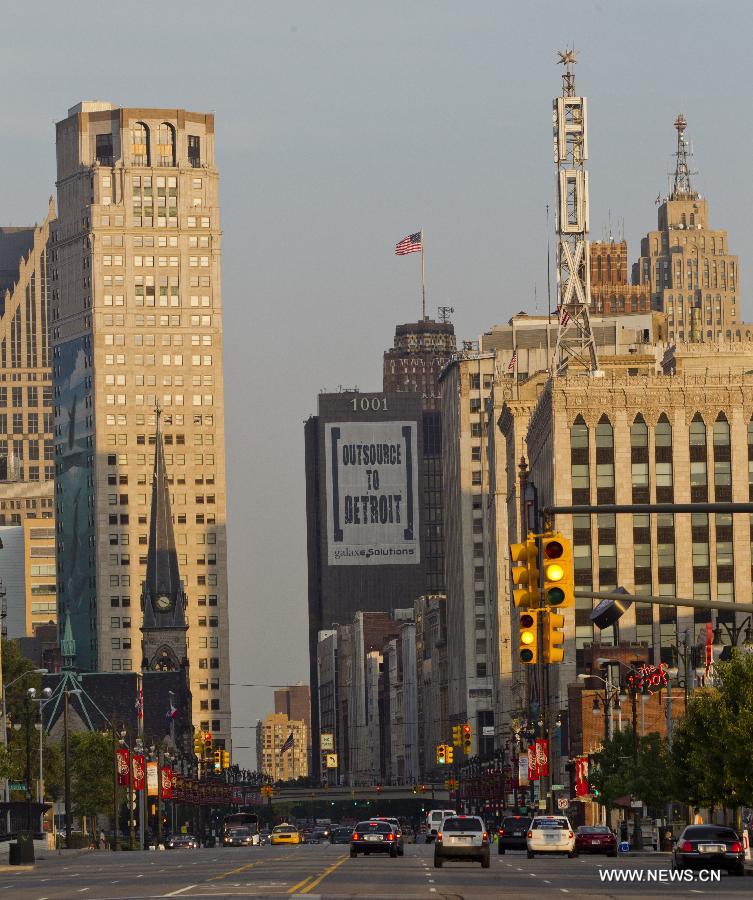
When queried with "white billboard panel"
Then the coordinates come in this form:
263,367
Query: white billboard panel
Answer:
372,493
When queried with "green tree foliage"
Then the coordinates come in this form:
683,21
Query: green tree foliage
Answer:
92,773
712,744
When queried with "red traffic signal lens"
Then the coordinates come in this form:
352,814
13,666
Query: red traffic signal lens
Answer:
555,596
553,550
466,729
526,620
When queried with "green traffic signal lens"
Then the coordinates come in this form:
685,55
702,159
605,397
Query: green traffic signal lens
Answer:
555,596
526,655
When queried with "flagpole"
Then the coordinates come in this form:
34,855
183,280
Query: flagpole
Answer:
423,279
548,295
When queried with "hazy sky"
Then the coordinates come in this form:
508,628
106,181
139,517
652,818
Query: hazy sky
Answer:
341,127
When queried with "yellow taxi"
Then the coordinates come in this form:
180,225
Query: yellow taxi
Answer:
285,834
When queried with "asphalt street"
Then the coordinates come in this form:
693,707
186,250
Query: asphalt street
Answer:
327,871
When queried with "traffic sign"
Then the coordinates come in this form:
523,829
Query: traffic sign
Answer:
326,742
562,803
331,760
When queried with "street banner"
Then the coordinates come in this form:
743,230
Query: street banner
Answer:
533,768
152,779
542,757
523,770
123,759
138,771
581,776
238,796
166,782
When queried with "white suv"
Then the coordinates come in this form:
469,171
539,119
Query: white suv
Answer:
550,834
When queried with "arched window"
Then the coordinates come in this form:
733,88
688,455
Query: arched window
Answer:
698,460
705,273
692,220
609,268
598,269
663,460
166,145
604,461
683,220
140,145
639,460
579,463
639,432
722,460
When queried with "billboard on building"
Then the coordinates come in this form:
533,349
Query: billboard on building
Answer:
372,493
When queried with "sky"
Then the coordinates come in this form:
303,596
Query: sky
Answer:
342,127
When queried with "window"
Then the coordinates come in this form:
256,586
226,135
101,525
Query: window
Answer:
104,151
194,151
166,145
140,146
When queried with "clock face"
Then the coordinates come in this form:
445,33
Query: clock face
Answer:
163,602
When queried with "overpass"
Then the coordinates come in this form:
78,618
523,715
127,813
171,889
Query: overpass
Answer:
432,792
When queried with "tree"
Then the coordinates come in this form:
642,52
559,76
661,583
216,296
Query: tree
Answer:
92,774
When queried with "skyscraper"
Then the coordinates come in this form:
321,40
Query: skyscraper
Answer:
134,261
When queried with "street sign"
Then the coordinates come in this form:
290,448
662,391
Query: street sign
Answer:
636,804
558,787
562,803
326,742
16,785
487,731
331,760
542,804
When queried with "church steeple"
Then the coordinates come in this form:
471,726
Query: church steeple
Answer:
68,644
162,597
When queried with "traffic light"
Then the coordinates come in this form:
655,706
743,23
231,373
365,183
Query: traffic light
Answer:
467,739
558,572
448,754
441,754
457,741
529,637
225,759
218,760
526,574
208,741
198,743
554,637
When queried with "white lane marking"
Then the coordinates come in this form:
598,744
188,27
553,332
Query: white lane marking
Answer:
431,881
180,890
532,874
520,870
547,881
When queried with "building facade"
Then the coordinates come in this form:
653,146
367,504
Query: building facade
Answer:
415,361
611,290
281,744
136,324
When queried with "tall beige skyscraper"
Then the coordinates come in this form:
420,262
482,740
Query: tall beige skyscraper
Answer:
136,312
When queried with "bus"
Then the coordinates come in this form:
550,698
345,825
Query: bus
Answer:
247,820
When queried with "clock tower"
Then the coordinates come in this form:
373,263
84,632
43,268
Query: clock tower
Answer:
163,600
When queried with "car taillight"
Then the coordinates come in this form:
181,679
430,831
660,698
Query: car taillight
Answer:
686,847
439,837
530,834
736,847
501,832
390,837
571,834
356,836
486,836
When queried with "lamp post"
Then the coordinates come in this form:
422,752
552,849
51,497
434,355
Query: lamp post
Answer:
41,700
733,633
609,697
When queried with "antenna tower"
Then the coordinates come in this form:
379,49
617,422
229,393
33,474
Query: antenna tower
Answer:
445,312
575,340
682,189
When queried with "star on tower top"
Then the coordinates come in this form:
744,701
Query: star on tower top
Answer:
567,57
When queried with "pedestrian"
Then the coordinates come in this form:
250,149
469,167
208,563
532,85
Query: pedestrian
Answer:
697,817
102,841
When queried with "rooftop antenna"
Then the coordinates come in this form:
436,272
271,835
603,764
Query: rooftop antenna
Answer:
575,339
682,188
445,312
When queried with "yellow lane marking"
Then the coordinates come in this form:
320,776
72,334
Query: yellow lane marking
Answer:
324,874
235,871
300,884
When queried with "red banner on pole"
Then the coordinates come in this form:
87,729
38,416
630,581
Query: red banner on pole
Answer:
166,782
581,776
138,772
123,759
533,769
542,757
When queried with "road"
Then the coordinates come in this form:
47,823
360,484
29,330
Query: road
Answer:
326,871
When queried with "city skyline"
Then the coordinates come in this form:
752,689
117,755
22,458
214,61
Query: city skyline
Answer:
372,205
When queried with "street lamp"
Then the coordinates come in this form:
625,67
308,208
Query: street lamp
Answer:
608,698
41,700
734,632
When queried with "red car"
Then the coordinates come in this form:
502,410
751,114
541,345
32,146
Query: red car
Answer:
595,839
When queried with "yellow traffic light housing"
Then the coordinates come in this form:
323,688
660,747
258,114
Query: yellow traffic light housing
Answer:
467,739
441,754
557,556
525,574
449,754
456,738
198,743
225,759
554,637
218,760
529,637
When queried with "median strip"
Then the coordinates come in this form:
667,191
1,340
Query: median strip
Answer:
235,871
296,887
324,875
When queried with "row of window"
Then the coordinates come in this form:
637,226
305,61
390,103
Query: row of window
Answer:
125,581
149,340
117,221
140,261
124,601
33,396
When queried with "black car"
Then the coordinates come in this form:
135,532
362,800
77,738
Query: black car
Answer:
709,847
182,842
341,836
511,834
374,837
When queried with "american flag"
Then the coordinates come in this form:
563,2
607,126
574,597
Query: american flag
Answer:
139,704
564,316
513,361
288,745
411,244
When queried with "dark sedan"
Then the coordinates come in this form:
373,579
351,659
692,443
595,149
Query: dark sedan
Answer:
511,834
595,839
374,837
182,842
341,835
709,847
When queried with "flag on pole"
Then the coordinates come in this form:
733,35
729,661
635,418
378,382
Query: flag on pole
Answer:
413,243
139,704
658,199
288,745
513,361
564,316
172,713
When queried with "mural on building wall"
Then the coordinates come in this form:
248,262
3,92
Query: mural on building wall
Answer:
74,495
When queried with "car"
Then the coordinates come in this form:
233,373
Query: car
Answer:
550,834
409,835
323,831
398,828
373,836
511,834
434,820
182,842
285,834
239,837
595,839
341,835
709,847
462,837
320,835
